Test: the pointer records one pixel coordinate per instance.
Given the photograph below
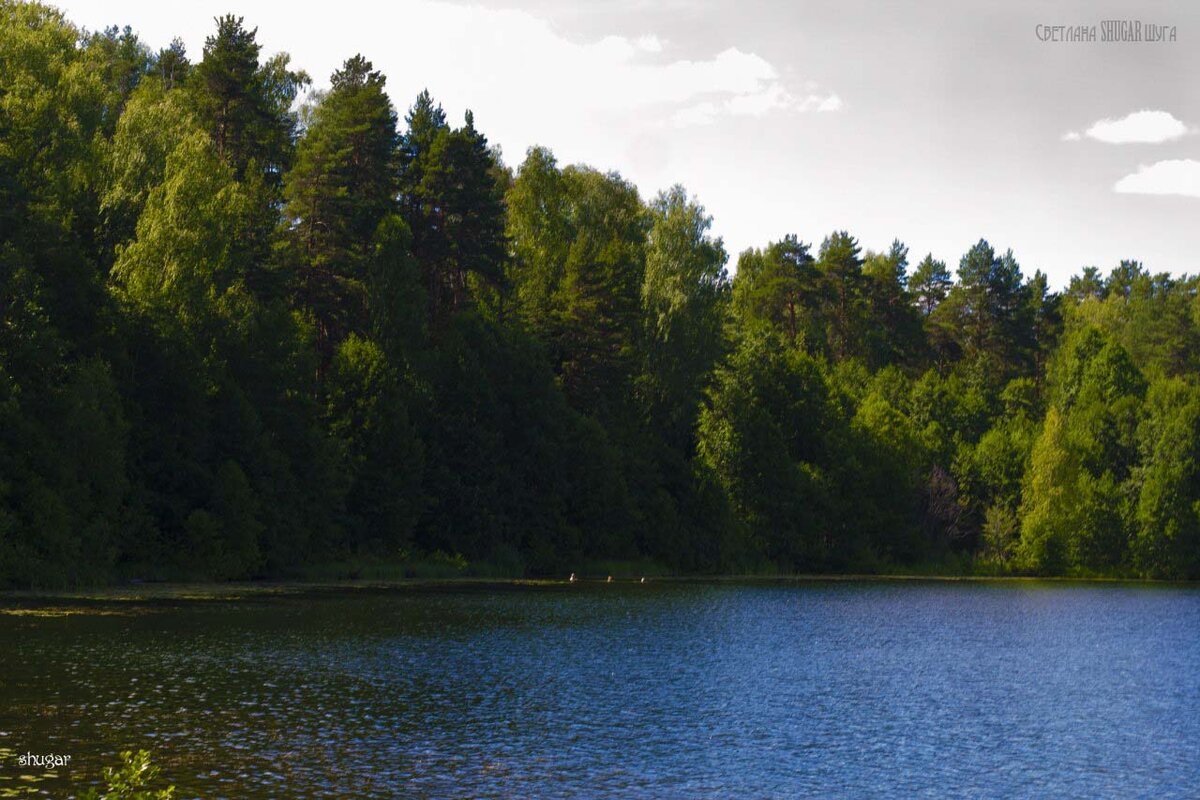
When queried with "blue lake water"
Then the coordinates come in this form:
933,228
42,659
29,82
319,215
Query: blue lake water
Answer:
662,690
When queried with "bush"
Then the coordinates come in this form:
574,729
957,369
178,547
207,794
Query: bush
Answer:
131,780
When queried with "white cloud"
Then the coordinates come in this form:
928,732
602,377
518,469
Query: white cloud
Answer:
512,65
1071,136
1140,127
700,114
1177,176
756,104
650,44
830,103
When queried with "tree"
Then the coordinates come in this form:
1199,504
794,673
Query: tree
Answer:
151,127
121,62
882,509
51,123
454,206
213,374
190,247
766,436
246,107
683,294
896,335
579,275
991,470
1167,538
780,286
929,284
223,538
237,339
1086,285
381,455
342,187
1152,316
1082,466
395,295
989,299
1043,310
245,104
841,272
171,64
510,467
540,231
63,476
1048,510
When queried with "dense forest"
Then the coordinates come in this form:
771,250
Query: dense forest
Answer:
246,328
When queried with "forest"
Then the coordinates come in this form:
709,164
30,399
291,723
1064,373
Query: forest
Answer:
248,329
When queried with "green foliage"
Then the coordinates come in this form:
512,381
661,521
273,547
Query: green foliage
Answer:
339,191
990,471
930,283
246,104
766,437
381,454
453,201
780,287
1166,541
154,123
840,265
131,780
896,335
1081,474
989,309
582,287
887,482
188,253
510,464
683,300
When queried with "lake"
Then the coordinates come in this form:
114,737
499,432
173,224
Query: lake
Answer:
624,690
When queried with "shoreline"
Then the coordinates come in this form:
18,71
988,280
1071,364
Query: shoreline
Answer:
185,592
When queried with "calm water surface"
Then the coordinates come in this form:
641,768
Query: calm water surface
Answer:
647,691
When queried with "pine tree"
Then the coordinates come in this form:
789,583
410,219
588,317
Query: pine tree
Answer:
896,335
929,284
841,271
171,64
780,284
341,188
245,104
454,207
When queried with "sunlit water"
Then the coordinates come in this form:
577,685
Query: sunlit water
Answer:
624,690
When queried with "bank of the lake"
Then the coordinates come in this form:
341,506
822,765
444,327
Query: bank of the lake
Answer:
202,591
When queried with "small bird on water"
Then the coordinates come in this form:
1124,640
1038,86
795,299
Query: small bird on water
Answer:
572,578
609,579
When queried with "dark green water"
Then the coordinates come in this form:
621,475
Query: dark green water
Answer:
639,691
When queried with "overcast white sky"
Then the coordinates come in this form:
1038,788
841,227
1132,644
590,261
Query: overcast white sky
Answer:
936,122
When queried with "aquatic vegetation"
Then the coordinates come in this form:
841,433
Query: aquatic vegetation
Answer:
132,780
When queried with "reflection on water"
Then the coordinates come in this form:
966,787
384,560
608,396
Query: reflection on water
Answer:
655,690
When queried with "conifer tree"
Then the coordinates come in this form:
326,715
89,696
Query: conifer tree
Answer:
929,284
841,269
246,104
781,285
454,207
339,191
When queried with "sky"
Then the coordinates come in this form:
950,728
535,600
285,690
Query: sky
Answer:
938,122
